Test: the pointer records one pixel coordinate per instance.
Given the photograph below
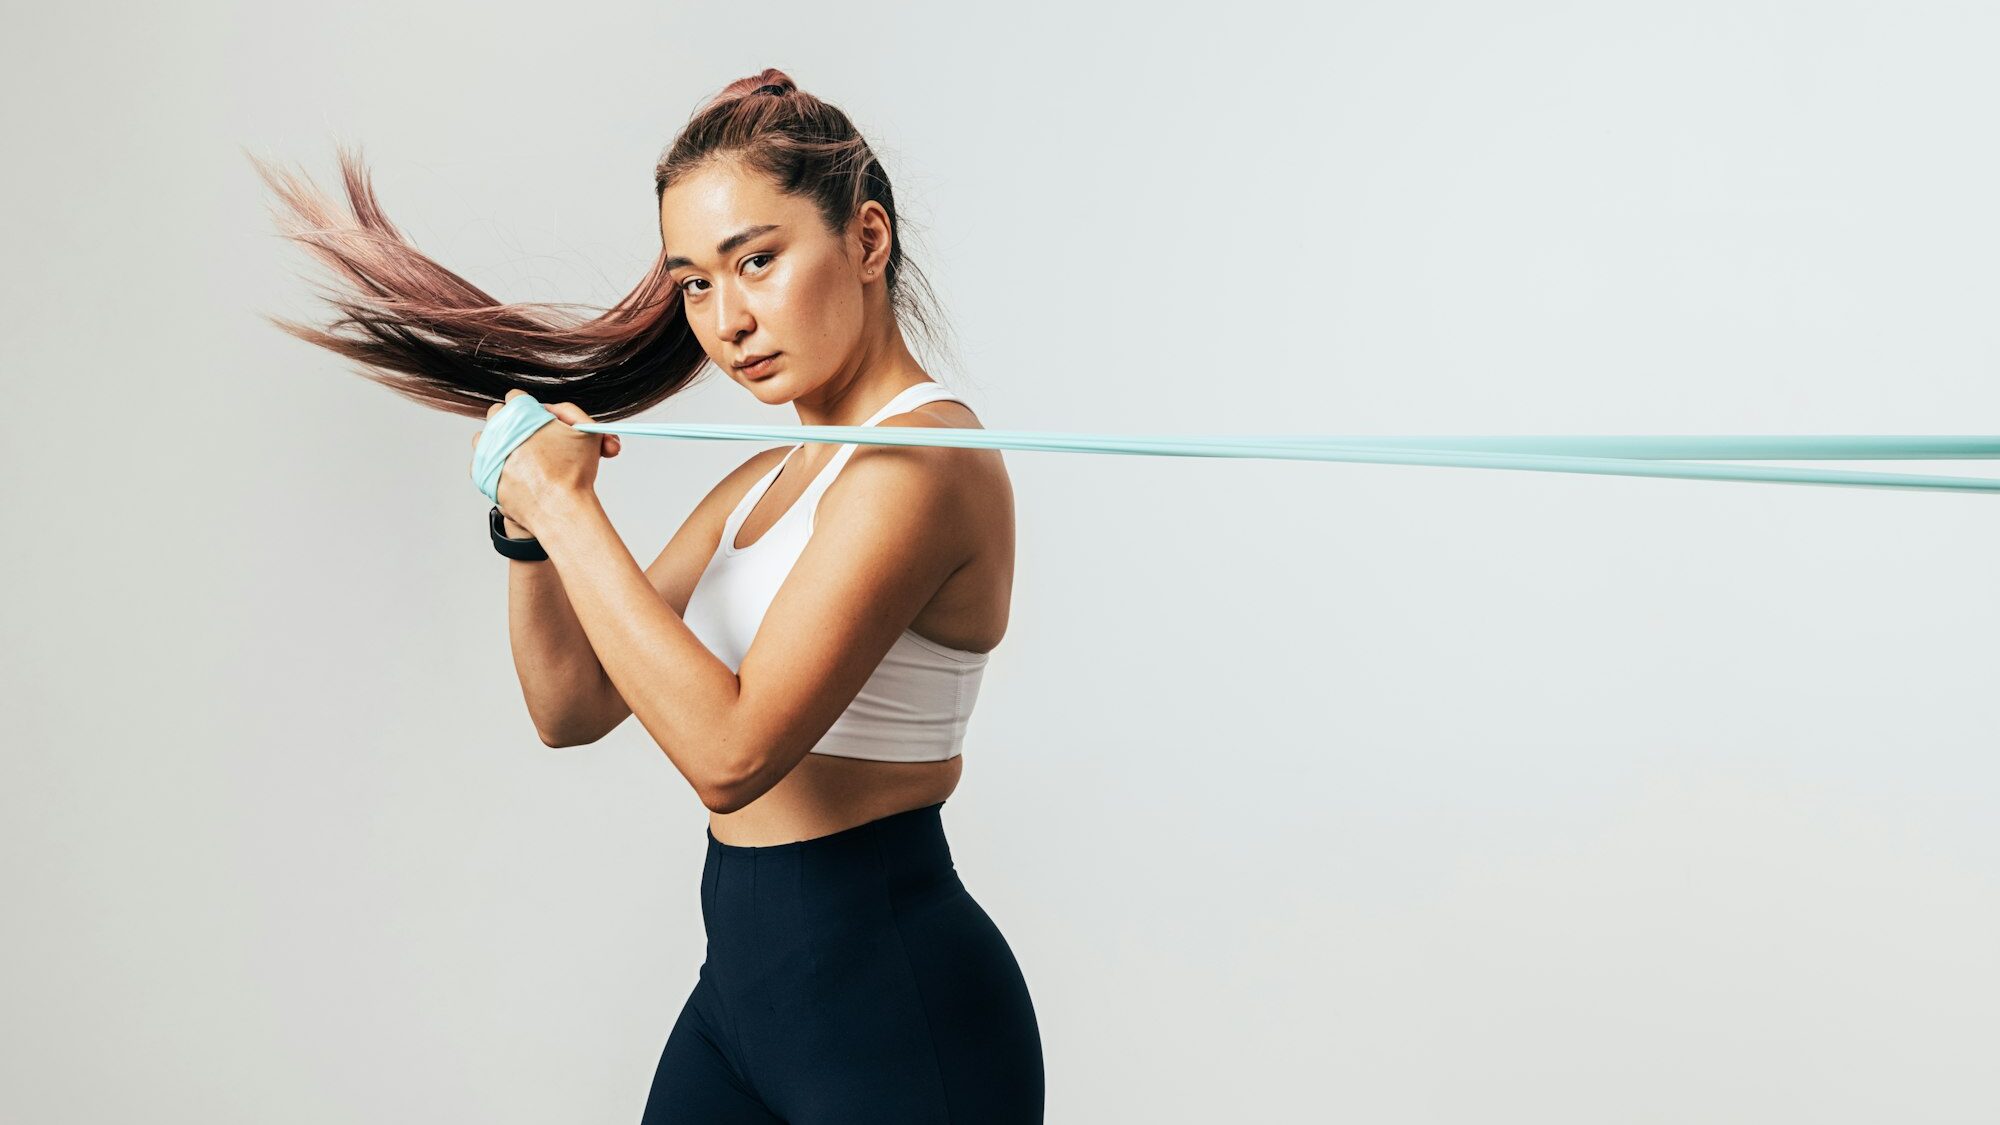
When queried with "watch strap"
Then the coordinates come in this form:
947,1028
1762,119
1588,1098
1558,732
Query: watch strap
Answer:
521,550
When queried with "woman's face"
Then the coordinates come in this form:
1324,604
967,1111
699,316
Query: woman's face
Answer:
759,275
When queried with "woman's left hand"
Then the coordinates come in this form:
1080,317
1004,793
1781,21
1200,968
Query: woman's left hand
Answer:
555,462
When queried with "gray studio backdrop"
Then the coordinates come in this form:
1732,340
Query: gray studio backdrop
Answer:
1303,792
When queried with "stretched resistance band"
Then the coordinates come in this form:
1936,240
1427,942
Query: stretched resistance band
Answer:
1619,455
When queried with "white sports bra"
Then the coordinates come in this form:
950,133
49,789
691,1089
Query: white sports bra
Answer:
915,705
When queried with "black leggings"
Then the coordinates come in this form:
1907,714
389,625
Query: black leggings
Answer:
850,978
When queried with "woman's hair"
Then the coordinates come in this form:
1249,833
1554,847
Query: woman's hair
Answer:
432,336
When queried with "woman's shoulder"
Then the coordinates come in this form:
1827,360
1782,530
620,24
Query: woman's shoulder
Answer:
953,474
943,414
937,412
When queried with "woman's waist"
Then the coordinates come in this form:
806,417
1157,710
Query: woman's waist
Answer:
858,875
825,794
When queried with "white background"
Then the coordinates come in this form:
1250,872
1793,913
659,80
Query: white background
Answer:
1302,791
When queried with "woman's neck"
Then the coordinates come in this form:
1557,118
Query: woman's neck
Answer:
876,379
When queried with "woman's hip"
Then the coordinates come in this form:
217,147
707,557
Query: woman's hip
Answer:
860,961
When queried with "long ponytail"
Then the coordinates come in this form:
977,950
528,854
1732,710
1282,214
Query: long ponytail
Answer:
434,337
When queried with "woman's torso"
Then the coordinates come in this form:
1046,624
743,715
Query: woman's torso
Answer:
826,793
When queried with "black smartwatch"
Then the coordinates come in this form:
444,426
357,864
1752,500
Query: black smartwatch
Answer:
522,550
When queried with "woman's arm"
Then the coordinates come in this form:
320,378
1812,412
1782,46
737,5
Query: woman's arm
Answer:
571,699
561,679
567,692
889,531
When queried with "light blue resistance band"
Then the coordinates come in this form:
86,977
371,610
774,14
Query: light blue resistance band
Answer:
1638,455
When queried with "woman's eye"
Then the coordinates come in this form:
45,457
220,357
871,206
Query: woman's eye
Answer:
684,285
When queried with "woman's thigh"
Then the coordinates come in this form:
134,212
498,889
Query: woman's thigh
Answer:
695,1082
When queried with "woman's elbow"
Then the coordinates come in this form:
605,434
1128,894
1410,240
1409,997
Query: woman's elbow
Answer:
559,740
720,801
733,787
724,797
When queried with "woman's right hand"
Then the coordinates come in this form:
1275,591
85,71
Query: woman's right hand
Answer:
570,414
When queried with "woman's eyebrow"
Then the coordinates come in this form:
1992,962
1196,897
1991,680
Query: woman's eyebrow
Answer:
728,244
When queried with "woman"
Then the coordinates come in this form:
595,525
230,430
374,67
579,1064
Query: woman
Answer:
806,649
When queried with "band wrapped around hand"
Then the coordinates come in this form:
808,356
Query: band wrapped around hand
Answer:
513,424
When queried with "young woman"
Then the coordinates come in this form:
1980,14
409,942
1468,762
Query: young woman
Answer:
807,648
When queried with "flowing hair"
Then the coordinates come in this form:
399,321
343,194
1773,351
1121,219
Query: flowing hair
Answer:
432,336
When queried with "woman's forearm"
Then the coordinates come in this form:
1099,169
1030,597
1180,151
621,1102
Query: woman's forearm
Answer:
569,698
682,693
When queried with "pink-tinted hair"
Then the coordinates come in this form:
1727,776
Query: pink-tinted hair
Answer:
434,337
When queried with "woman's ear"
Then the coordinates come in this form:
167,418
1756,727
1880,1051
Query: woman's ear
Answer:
873,227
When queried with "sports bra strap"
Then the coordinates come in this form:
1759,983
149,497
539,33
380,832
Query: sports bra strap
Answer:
909,398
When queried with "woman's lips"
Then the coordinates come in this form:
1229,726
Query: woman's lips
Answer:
762,367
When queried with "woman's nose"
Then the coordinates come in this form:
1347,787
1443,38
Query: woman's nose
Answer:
732,318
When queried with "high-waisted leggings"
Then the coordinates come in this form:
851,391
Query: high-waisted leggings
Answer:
850,978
